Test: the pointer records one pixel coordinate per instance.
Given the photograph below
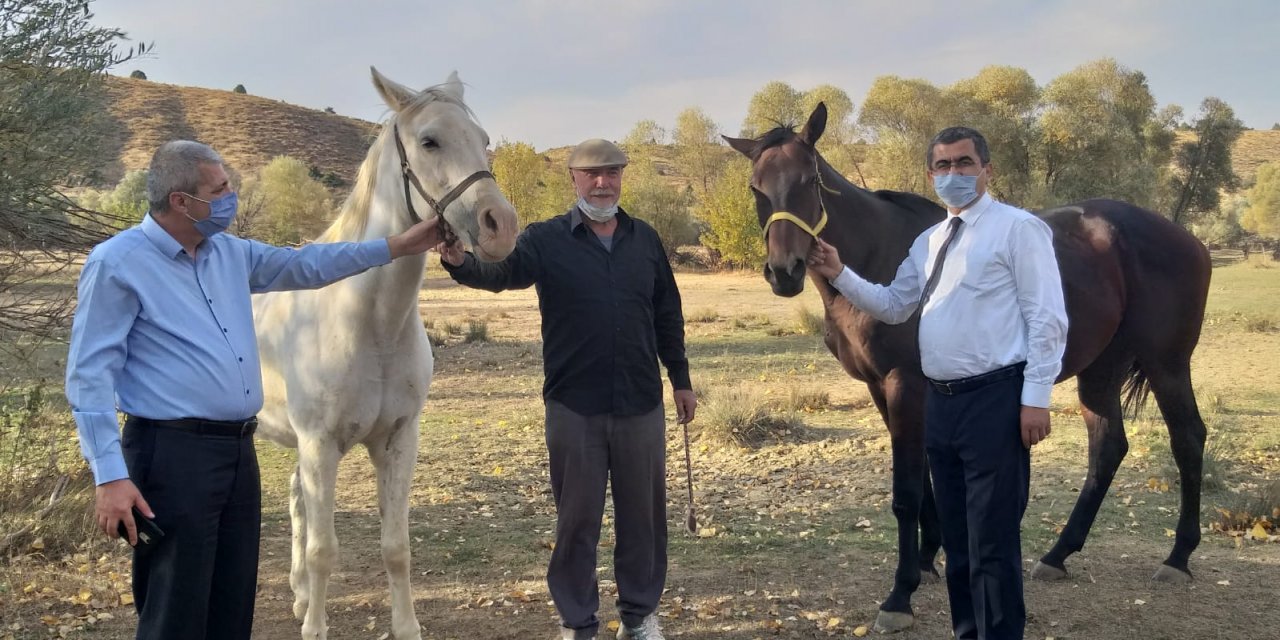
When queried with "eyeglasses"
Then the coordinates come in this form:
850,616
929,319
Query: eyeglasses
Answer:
963,165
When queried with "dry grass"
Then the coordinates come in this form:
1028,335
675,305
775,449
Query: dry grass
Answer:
739,416
780,518
809,322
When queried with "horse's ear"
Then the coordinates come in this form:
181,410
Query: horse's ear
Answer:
396,95
454,85
742,145
816,125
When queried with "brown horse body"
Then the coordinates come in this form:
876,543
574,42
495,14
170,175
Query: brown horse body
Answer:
1135,286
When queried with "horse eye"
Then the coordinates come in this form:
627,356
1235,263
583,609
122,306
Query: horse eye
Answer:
428,143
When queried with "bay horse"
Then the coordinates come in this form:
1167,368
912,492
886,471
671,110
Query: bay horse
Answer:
1135,285
350,363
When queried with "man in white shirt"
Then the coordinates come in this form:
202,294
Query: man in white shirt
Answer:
993,328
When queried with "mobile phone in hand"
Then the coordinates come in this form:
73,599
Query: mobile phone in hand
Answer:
148,533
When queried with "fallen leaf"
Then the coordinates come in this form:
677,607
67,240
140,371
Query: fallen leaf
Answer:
833,623
860,631
1258,532
1139,602
612,626
126,599
1224,583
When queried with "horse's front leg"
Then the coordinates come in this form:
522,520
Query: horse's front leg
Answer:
298,527
394,457
905,420
318,473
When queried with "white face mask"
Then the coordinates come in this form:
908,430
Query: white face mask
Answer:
598,214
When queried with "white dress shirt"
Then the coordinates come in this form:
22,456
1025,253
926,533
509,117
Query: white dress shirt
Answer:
998,300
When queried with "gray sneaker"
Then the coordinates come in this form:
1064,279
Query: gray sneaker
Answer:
571,634
648,630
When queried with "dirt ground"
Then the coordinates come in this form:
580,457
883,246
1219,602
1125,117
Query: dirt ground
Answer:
796,538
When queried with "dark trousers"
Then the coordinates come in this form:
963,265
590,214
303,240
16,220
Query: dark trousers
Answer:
200,581
586,452
981,474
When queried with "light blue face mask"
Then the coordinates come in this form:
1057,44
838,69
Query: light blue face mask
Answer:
221,212
599,214
956,190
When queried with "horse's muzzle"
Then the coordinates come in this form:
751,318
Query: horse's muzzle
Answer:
787,281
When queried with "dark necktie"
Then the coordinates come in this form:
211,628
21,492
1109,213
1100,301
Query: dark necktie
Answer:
937,264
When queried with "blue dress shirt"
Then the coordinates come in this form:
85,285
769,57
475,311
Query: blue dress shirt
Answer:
162,336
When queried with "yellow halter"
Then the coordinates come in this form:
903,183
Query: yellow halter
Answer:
791,217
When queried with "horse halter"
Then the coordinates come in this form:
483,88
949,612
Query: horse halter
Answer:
438,205
794,219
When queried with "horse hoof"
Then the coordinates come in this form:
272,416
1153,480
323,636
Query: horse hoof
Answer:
1169,575
1047,573
893,621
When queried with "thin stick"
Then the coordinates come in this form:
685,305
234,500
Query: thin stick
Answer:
690,517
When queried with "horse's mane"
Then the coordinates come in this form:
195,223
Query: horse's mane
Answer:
912,202
354,214
772,138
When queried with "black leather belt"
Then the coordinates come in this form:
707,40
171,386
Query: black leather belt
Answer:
964,385
200,426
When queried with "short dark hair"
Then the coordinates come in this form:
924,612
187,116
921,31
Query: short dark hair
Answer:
951,135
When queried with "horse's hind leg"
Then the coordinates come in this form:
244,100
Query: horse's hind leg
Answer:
318,474
1171,385
394,458
1099,389
298,568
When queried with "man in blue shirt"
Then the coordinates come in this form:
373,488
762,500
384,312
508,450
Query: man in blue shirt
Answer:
164,331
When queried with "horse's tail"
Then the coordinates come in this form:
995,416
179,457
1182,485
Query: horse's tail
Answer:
1137,388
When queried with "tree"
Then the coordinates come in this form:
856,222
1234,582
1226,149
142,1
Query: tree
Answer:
138,75
1223,229
776,104
1262,216
329,110
521,174
295,207
699,153
664,205
239,89
902,116
1002,103
1204,164
1093,136
644,133
127,202
53,120
733,227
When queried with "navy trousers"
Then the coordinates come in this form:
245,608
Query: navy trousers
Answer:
200,581
981,474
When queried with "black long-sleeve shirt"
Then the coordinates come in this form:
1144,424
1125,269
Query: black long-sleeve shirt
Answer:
608,316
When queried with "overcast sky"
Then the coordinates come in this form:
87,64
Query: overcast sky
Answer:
553,72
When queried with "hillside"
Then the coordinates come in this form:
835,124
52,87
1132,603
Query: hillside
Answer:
247,130
1254,147
250,130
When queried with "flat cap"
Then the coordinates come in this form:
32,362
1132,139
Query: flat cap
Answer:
596,154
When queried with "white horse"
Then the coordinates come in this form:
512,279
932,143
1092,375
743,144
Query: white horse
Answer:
350,363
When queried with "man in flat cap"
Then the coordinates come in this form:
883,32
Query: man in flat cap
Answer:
610,312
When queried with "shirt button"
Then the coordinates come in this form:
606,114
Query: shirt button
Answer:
240,359
224,329
246,392
210,300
